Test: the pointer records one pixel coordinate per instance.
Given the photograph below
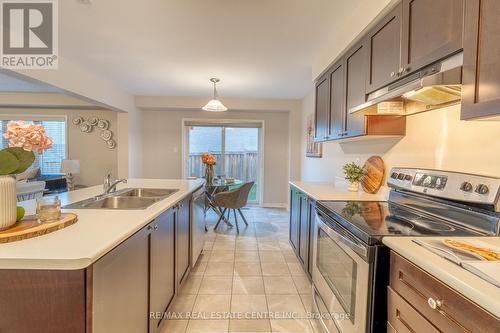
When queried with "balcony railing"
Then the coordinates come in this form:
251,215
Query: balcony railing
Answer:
239,165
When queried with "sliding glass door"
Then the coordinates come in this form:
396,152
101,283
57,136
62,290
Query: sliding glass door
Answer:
235,146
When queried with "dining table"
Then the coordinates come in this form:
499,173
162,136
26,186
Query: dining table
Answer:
216,186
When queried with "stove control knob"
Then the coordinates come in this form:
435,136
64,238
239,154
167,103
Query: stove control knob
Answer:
466,187
408,177
394,175
482,189
401,176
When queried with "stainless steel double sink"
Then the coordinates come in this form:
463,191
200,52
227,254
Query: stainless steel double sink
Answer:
126,199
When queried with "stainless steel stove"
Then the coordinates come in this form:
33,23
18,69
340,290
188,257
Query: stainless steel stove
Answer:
350,263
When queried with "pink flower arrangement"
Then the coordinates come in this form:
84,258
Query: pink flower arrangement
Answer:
30,137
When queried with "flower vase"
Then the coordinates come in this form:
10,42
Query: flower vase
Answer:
353,186
8,202
209,174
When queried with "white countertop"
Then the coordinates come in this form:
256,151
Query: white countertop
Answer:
483,293
96,233
334,191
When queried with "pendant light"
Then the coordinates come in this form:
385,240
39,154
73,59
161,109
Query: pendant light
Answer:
214,105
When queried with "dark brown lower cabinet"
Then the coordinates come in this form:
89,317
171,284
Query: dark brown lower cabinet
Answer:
404,318
125,291
112,277
418,302
305,219
182,231
42,301
294,217
301,225
162,279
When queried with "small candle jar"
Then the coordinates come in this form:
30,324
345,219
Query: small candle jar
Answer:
48,209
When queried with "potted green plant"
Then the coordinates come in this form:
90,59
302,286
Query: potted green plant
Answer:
353,173
24,140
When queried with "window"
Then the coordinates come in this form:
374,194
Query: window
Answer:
49,161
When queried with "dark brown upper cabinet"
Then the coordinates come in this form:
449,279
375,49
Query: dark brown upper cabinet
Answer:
481,70
384,45
355,80
431,30
322,110
346,81
337,105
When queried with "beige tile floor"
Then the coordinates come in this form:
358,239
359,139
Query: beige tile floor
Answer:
254,276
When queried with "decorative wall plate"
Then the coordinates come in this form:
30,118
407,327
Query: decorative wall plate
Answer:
103,124
77,120
85,127
93,121
111,144
106,135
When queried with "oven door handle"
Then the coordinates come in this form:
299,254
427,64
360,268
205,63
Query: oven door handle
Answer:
343,237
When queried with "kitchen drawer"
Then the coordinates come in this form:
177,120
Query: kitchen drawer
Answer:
391,329
446,309
404,318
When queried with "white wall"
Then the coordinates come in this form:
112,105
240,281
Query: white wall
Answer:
162,146
95,158
435,139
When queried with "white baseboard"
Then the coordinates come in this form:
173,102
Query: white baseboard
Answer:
274,205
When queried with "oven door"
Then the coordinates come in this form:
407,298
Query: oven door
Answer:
340,276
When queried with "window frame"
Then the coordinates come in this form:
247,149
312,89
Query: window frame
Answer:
216,122
43,117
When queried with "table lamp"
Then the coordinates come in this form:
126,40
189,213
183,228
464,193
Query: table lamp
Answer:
70,167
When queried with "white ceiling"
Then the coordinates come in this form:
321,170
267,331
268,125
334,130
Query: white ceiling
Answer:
258,48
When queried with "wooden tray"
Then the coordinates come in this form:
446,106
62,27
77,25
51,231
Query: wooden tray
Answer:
29,227
375,171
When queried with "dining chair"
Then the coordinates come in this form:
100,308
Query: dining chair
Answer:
233,200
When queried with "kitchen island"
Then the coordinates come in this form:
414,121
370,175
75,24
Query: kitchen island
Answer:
427,290
471,286
112,271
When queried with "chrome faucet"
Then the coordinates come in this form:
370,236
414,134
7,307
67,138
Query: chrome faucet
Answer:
109,186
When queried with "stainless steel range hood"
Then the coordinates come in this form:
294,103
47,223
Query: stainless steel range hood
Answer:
432,87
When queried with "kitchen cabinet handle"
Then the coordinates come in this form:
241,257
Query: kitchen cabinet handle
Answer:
434,304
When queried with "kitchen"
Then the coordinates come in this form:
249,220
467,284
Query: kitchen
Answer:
405,91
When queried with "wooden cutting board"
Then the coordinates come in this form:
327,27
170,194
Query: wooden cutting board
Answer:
29,227
374,176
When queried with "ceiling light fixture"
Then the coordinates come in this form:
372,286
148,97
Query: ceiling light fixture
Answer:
215,105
